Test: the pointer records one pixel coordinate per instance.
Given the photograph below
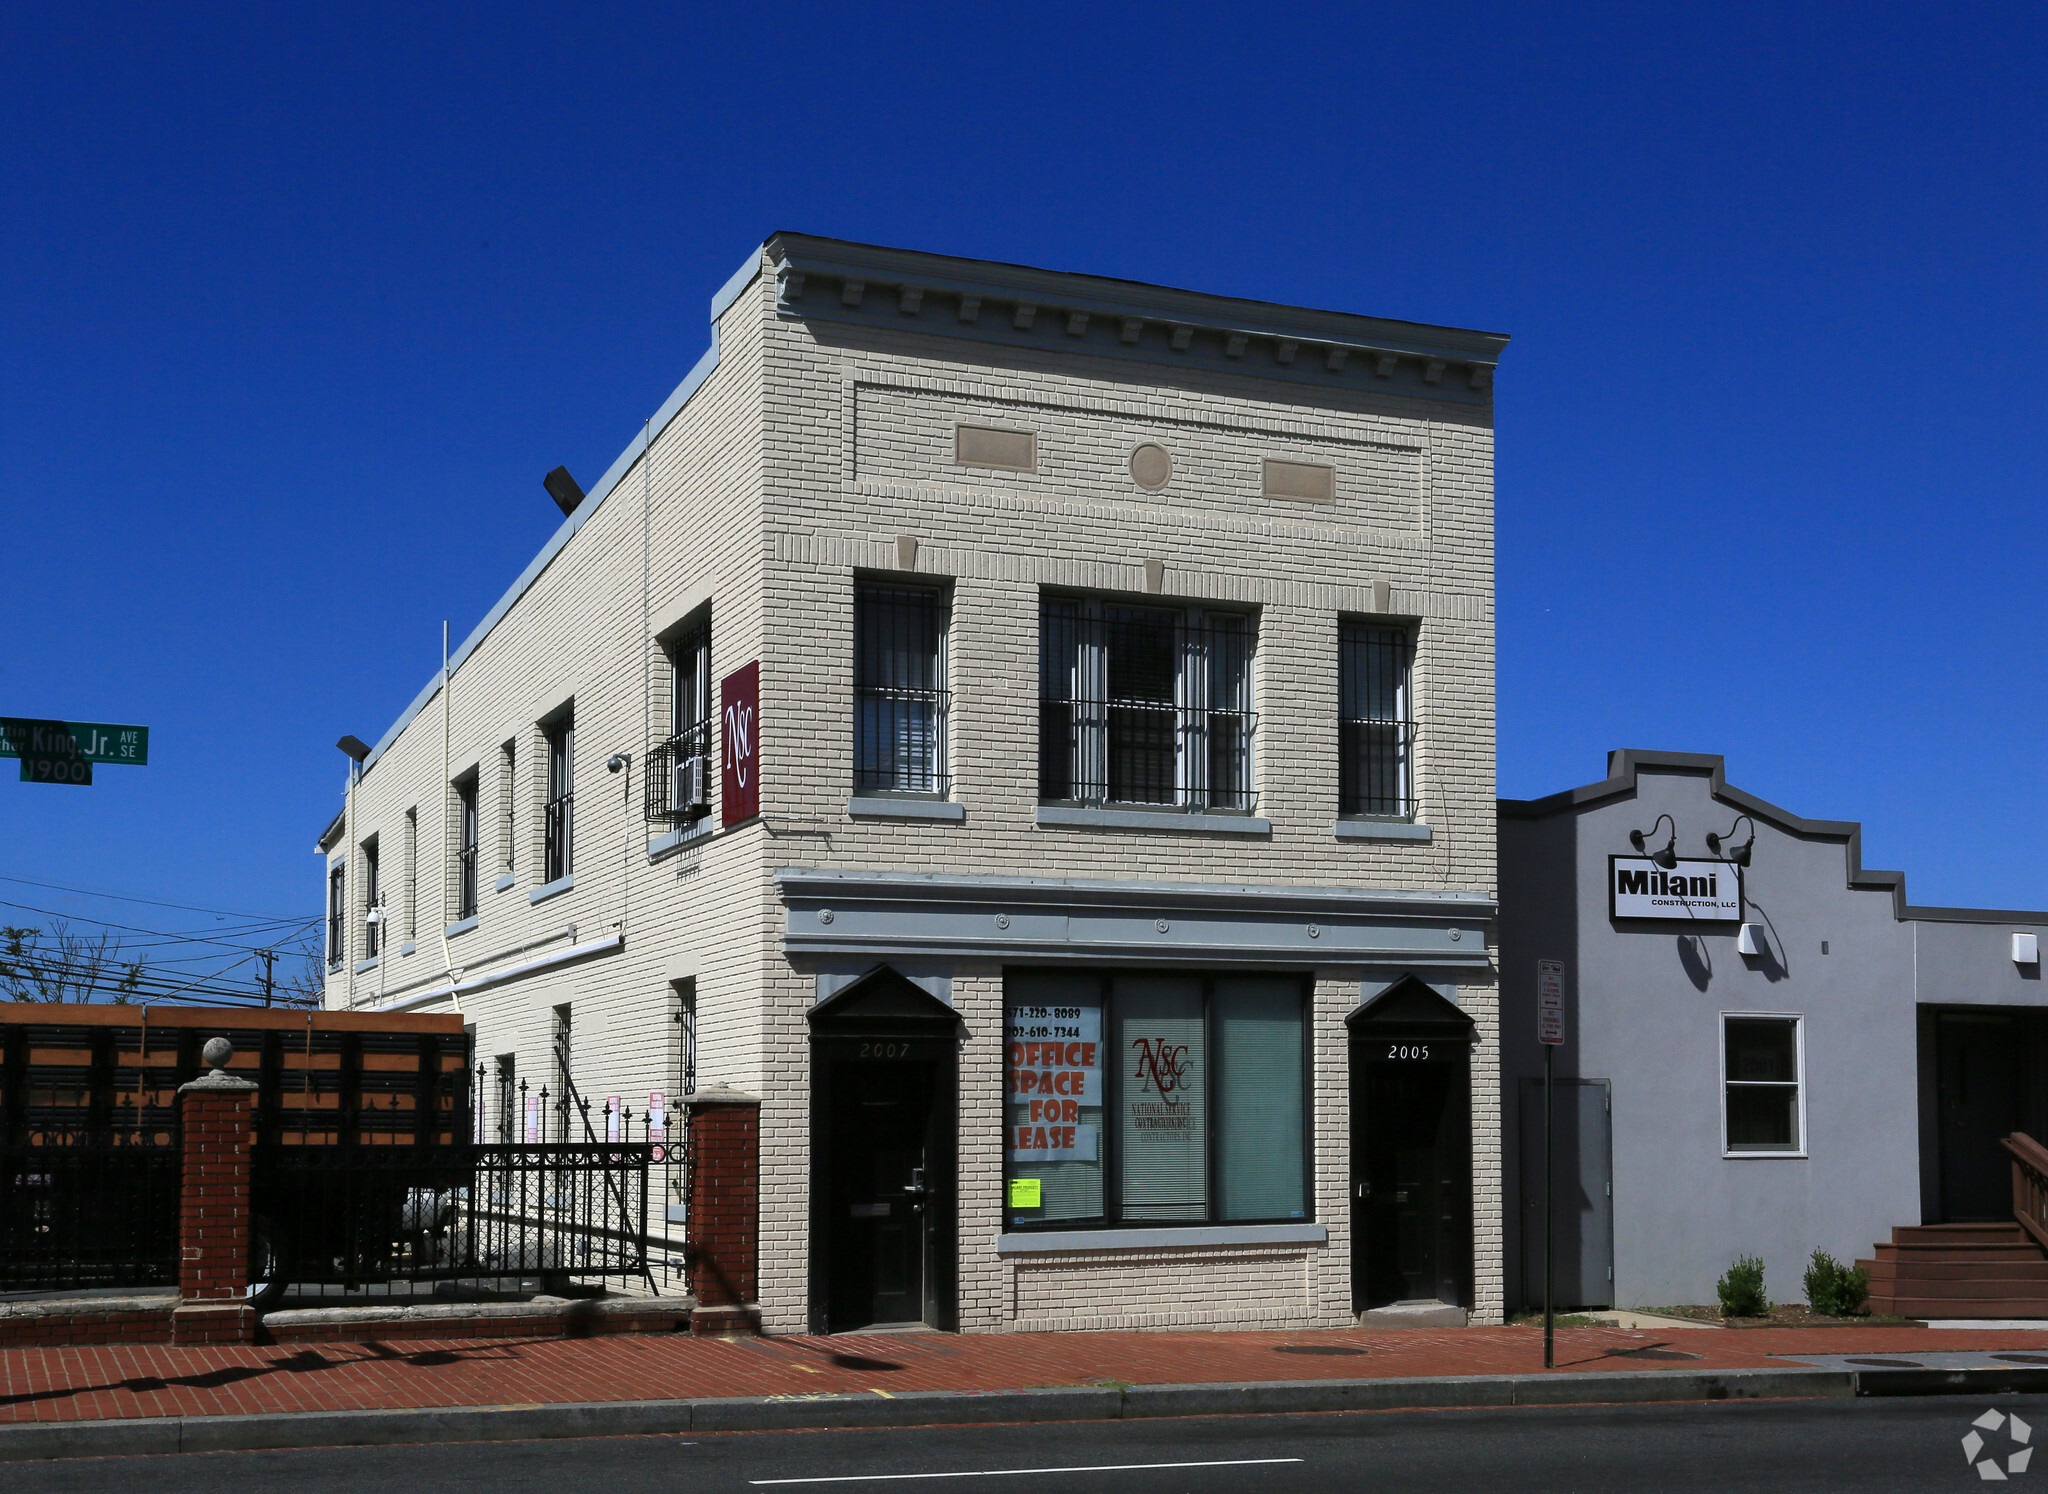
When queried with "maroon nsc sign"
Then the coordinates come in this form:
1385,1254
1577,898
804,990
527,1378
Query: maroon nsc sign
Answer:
739,717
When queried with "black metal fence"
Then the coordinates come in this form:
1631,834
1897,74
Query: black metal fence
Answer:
83,1209
357,1215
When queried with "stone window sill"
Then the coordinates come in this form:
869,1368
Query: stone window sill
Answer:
364,967
880,806
1381,830
675,840
460,926
407,948
505,882
553,889
1147,819
1067,1241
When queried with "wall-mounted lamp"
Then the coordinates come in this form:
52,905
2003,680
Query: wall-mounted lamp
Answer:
1737,854
1666,855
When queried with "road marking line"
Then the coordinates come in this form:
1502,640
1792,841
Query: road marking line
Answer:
856,1478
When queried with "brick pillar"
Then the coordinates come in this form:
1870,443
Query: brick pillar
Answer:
213,1206
725,1210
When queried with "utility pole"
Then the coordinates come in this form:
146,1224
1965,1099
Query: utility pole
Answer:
269,962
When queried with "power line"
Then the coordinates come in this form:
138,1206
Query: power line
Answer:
284,928
153,902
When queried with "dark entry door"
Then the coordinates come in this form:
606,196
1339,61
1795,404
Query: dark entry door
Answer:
884,1174
1411,1173
1978,1097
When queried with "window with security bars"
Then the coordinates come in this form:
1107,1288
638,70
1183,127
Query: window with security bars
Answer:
1376,772
899,691
1144,705
678,777
373,896
465,848
558,849
337,912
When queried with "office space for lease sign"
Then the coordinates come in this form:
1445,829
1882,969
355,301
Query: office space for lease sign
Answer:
1698,891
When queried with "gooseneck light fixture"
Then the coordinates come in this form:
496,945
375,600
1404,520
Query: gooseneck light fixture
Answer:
1737,854
1665,855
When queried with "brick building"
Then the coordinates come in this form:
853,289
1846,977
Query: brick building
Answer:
982,648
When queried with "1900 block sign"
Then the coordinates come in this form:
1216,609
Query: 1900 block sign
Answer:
739,716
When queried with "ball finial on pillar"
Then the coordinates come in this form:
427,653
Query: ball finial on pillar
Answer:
216,1053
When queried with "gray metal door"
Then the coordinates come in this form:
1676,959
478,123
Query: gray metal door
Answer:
1582,1140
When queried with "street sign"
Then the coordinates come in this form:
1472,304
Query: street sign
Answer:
82,741
56,770
1550,1001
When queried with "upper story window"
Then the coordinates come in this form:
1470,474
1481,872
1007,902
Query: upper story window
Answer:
373,898
465,848
1144,705
557,851
337,912
899,690
678,778
1376,726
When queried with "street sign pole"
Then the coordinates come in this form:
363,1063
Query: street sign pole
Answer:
1549,1229
1549,1032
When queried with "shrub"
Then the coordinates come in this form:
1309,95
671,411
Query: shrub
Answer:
1836,1290
1741,1289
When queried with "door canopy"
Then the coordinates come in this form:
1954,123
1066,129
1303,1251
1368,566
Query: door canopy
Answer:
883,1000
1409,1008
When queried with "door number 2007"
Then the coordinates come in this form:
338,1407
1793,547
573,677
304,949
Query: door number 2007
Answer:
1408,1050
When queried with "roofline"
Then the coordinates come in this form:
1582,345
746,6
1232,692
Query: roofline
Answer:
1021,306
1625,764
1116,290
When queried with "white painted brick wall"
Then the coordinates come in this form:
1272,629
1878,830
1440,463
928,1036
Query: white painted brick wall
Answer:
798,463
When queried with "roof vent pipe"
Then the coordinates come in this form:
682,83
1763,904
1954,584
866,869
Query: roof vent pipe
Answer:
562,488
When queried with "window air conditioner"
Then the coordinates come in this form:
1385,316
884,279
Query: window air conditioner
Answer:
692,795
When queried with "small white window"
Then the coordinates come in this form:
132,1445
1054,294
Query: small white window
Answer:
1763,1109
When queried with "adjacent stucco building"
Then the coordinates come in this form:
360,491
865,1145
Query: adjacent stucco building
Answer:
1054,730
1778,1056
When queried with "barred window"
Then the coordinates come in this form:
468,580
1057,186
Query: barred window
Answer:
679,775
1144,705
373,894
465,848
337,912
899,690
561,803
1376,774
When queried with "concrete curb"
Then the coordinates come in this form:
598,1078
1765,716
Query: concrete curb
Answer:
27,1441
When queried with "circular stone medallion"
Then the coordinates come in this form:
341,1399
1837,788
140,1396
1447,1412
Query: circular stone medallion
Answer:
1151,467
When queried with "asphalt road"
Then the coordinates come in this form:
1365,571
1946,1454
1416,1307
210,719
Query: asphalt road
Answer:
1867,1445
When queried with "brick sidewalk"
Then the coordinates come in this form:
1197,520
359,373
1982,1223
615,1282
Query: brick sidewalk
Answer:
81,1384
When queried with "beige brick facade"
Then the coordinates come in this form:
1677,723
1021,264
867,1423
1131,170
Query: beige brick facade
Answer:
821,438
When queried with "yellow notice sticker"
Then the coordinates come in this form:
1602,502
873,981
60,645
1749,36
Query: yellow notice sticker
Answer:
1024,1193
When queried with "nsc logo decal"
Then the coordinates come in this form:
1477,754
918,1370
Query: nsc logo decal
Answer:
1984,1458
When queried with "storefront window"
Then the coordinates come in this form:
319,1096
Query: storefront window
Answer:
1054,1112
1203,1081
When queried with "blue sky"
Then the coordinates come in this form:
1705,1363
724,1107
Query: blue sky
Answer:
291,295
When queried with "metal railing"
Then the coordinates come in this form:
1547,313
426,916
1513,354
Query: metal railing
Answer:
364,1214
693,743
1146,707
1376,768
90,1208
